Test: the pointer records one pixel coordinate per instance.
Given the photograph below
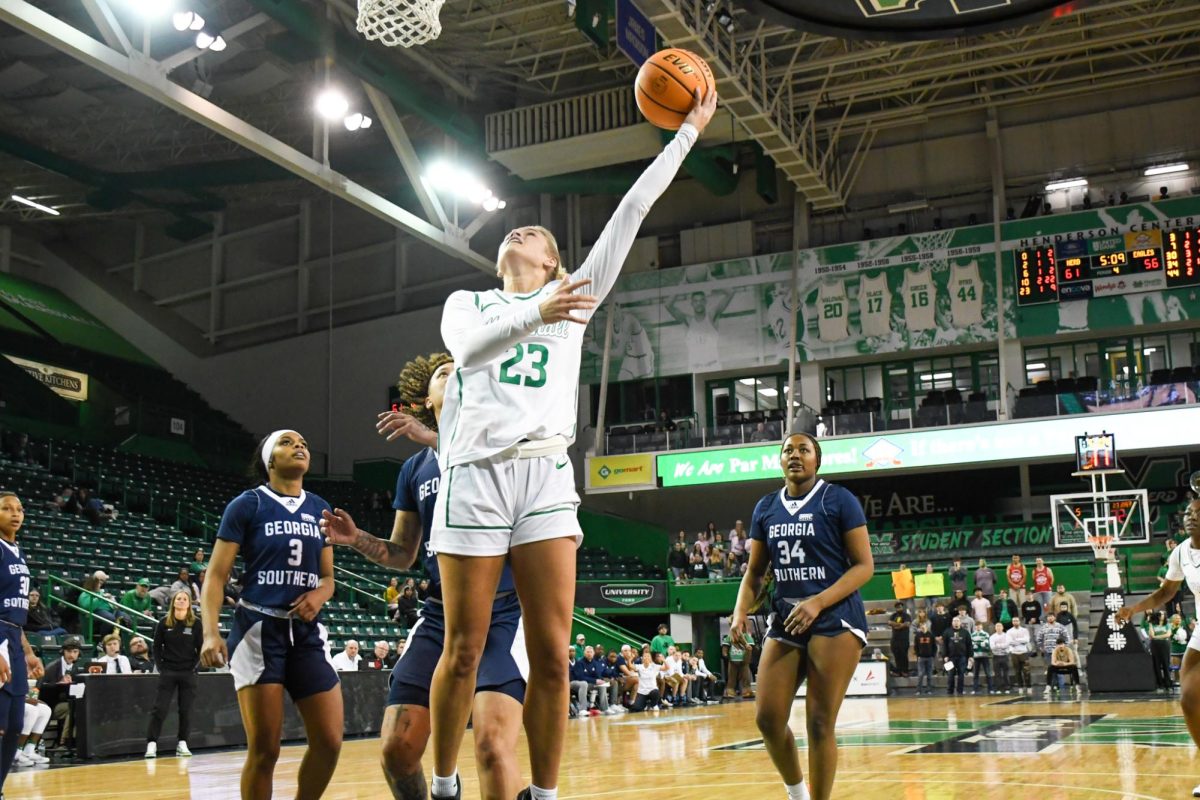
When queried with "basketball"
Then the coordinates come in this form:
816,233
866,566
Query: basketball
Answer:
666,83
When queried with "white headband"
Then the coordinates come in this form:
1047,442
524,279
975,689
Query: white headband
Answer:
269,445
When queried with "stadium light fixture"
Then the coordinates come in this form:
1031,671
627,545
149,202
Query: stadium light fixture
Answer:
210,41
1037,365
911,205
356,121
1166,169
455,180
34,204
749,381
768,392
187,20
150,8
332,104
1066,183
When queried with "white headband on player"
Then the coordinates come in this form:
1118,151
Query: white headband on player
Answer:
269,445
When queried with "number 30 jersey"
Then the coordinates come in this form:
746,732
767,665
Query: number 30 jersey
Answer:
805,537
280,541
14,585
516,378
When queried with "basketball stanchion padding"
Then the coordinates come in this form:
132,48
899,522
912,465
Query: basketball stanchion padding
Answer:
401,23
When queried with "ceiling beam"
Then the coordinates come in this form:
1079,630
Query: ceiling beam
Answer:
148,77
409,160
109,26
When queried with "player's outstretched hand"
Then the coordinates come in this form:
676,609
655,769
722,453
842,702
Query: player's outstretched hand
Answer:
803,615
394,424
338,527
308,605
214,653
34,665
702,111
1124,614
562,301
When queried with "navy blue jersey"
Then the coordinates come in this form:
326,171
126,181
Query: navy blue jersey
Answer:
416,490
280,542
806,537
14,584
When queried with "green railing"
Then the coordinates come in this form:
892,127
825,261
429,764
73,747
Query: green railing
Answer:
374,593
88,617
192,519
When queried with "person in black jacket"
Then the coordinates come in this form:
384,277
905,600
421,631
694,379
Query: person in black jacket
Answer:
958,649
677,561
925,645
177,640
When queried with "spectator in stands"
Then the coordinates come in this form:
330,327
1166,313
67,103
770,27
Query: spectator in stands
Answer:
981,610
701,544
738,677
904,588
115,662
62,498
41,619
610,670
1160,648
1063,596
580,643
958,602
760,434
985,580
18,449
674,678
1067,620
395,654
939,621
998,642
1043,584
662,641
665,423
958,578
139,655
677,562
926,649
52,687
1031,615
1163,194
93,509
177,640
697,569
1016,579
715,564
1048,637
98,602
965,620
709,681
737,541
931,599
1005,610
629,675
647,695
406,607
596,697
1179,640
981,652
198,564
575,685
957,647
183,583
681,538
138,598
900,623
378,658
1018,653
1063,664
348,659
391,593
422,589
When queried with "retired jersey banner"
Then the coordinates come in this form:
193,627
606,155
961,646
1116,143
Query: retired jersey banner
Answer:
63,382
620,472
1128,265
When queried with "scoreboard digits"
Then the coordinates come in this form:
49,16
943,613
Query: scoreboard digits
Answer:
1180,256
1037,277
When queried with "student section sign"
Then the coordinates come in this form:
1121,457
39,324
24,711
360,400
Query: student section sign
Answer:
937,448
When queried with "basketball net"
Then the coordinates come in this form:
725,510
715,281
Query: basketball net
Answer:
1102,547
399,22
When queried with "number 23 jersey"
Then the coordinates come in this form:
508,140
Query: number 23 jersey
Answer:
280,541
805,538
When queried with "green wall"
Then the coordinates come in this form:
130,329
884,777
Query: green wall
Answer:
626,537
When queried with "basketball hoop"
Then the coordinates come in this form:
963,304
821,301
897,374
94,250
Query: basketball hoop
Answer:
400,22
1102,547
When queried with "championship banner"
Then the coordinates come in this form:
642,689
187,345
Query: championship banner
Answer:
621,594
1116,267
620,472
935,448
63,382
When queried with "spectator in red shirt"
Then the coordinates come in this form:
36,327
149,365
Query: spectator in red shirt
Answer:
1043,584
1016,580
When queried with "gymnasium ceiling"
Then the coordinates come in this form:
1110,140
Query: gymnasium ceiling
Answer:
150,141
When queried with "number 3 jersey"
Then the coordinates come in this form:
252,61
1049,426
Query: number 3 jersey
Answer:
805,538
280,542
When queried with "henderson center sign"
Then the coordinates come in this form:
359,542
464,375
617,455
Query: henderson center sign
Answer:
933,448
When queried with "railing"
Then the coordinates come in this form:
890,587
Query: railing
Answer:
732,429
375,594
87,615
193,519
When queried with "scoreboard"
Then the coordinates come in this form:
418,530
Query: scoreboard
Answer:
1080,269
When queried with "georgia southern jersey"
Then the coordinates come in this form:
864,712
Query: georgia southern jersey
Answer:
280,542
805,537
417,490
14,584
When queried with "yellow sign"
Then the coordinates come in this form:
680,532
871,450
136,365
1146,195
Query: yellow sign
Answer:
622,472
930,584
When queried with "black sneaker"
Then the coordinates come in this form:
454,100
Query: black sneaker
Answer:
524,794
457,792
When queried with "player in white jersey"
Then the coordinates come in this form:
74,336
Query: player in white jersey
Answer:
507,490
920,299
701,328
780,318
833,311
966,294
1182,565
875,305
637,355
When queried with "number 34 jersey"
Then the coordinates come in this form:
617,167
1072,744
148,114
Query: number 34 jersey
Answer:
280,541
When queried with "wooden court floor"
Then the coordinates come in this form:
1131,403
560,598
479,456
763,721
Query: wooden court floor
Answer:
970,748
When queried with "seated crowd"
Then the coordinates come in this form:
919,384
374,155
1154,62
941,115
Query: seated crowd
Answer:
710,556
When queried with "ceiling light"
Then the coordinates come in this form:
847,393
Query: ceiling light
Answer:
1165,169
768,392
332,104
749,381
218,44
33,204
187,20
150,8
356,121
1037,365
1149,351
1067,183
204,40
911,205
491,203
501,205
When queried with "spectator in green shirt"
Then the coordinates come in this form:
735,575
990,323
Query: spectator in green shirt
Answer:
198,563
138,598
660,643
738,675
96,601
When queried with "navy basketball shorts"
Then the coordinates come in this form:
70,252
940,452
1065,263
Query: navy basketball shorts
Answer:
848,615
267,649
12,694
503,668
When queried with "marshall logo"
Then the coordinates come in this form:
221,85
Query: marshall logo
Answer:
627,594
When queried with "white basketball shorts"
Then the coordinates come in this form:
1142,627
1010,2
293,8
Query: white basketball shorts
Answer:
488,507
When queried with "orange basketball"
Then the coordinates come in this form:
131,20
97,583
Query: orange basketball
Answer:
665,84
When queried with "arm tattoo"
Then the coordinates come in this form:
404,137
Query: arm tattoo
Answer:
381,551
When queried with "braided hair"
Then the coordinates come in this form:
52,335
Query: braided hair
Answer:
413,385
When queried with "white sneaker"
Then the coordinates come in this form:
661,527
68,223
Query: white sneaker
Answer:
181,749
151,749
1196,791
611,711
35,757
22,760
